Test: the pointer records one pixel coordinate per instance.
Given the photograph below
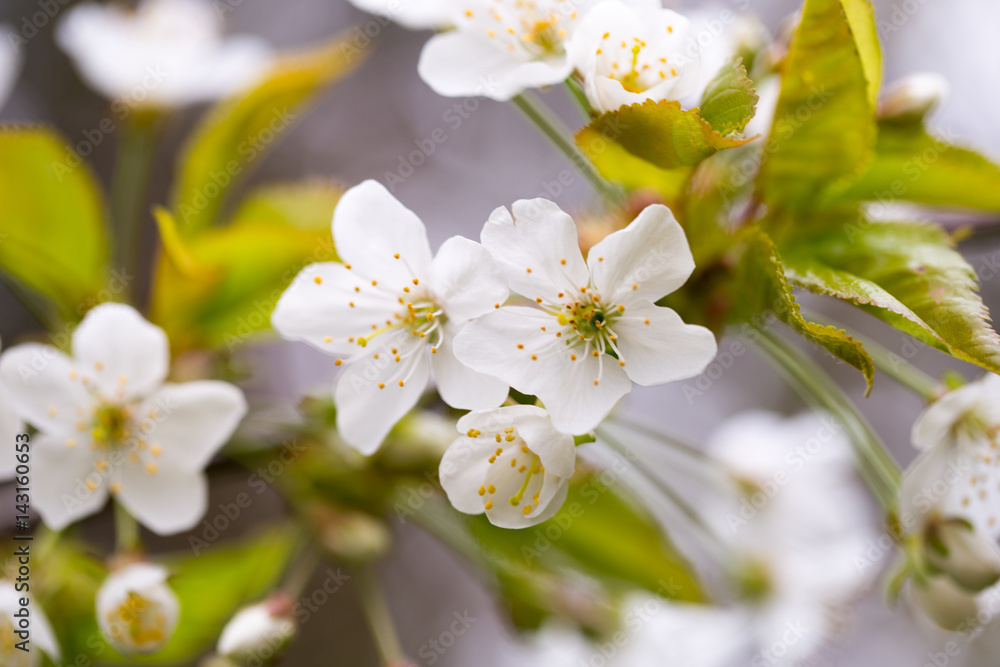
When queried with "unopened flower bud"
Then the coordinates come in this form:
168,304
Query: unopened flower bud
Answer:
945,603
259,630
913,97
350,535
957,550
136,610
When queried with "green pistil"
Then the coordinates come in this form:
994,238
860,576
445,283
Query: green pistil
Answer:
515,500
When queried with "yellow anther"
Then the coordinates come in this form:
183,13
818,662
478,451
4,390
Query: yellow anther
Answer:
151,468
488,505
482,491
318,280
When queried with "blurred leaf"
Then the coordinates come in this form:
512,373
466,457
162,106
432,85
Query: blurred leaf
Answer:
824,124
764,288
213,585
729,100
905,273
658,132
302,205
53,237
618,165
238,131
861,18
639,554
221,286
912,165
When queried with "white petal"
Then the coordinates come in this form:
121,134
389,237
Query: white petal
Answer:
566,385
465,280
169,501
945,603
321,313
459,64
551,499
918,497
972,561
60,477
556,450
129,635
191,421
41,631
370,227
460,386
39,382
664,350
123,354
537,248
10,67
10,427
498,419
647,260
416,15
935,426
365,412
463,470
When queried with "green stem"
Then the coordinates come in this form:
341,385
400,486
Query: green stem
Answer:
573,84
129,188
875,464
301,570
126,530
377,614
893,365
559,134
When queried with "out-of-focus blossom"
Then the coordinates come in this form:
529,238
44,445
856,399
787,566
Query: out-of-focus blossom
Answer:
33,633
136,610
413,14
165,53
107,422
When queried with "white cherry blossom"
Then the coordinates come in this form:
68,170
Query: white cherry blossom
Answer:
499,48
165,53
258,631
107,422
412,14
594,328
10,63
509,463
10,427
628,56
136,610
39,635
385,307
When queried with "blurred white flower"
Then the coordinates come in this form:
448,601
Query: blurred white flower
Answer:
38,634
10,427
10,63
595,329
628,56
136,610
107,422
498,49
413,14
798,525
913,96
165,53
384,307
509,463
256,632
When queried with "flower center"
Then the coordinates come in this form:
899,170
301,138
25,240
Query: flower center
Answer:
536,27
140,620
516,473
111,425
977,439
630,63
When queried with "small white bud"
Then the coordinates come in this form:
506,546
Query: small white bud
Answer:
969,558
945,603
913,96
258,630
136,610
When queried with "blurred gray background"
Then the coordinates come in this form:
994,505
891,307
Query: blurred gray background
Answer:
367,124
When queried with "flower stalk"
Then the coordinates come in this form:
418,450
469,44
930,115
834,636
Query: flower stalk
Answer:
377,614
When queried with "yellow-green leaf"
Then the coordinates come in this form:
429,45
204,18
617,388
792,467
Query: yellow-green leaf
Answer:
658,132
618,165
912,165
905,273
729,100
764,288
824,125
861,17
306,205
235,134
53,237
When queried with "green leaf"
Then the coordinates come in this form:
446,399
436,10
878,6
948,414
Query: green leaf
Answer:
912,165
618,165
211,586
861,17
905,273
658,132
640,555
730,99
237,132
220,287
765,288
53,237
824,124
